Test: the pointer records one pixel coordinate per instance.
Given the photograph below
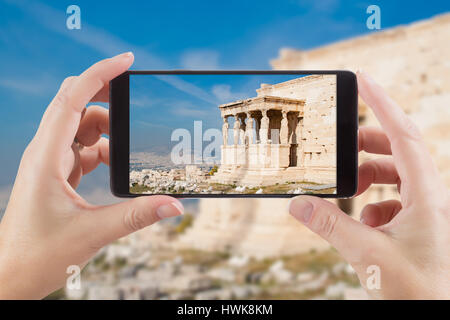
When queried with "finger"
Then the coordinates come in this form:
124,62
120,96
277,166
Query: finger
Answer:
396,124
412,159
91,157
109,223
377,171
373,140
91,81
93,124
380,213
102,95
72,169
329,222
49,113
59,126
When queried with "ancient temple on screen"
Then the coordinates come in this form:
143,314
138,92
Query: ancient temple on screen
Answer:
287,133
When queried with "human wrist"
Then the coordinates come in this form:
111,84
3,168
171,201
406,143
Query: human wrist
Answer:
17,279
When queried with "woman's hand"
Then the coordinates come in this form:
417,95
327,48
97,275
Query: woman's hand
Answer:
408,240
47,226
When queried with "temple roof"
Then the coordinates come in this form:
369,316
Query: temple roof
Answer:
262,103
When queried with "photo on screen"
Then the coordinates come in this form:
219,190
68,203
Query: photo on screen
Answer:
232,134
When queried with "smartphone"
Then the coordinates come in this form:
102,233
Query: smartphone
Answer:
195,134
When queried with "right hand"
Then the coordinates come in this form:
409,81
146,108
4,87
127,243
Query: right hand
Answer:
408,240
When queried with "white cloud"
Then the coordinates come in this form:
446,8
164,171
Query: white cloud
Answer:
105,43
224,94
186,109
201,59
142,101
187,87
89,35
37,86
322,6
188,112
151,124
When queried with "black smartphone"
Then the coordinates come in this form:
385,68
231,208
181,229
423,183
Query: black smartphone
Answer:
195,134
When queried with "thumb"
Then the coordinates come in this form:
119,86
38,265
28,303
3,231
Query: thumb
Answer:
109,223
333,225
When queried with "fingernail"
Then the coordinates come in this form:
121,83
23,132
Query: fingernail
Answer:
362,77
362,220
170,210
301,209
128,54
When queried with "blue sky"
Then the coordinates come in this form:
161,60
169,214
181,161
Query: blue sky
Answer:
37,51
158,107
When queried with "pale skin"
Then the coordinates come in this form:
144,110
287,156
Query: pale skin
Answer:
408,240
47,226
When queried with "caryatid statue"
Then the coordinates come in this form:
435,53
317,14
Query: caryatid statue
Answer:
225,131
264,129
242,131
284,129
299,128
249,129
236,127
292,125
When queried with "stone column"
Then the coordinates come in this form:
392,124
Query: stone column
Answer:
257,121
249,129
284,129
264,130
299,128
292,125
242,130
225,130
236,130
298,133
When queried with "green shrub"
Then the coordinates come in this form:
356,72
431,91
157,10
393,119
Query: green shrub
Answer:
213,170
185,223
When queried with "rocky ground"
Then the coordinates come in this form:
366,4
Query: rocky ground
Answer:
178,182
122,272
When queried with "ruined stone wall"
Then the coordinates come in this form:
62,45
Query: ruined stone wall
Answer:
252,227
412,64
316,149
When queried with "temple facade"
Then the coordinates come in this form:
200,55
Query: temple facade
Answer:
287,133
416,77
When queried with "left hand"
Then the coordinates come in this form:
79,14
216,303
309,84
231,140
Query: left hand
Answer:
47,226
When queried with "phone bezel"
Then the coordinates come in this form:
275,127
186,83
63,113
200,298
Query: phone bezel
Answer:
346,131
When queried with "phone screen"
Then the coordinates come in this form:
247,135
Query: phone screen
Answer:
232,134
